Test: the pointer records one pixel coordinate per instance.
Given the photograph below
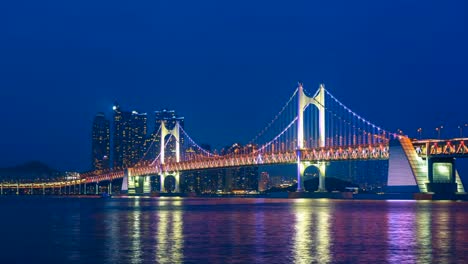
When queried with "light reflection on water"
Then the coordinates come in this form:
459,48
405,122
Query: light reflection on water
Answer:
170,239
134,225
424,236
176,230
112,225
400,233
312,227
444,242
302,237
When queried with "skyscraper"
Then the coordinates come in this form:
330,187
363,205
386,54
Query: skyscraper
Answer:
167,116
120,136
100,142
128,137
264,183
138,128
240,178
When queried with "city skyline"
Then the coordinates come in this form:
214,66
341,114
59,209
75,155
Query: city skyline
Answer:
234,131
387,62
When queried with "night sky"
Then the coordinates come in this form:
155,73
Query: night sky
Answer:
226,66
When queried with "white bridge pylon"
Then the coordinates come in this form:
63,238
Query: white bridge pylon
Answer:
318,100
175,132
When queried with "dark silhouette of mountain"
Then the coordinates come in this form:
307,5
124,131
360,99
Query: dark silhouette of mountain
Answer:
32,170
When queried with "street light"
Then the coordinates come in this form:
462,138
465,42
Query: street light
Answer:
420,132
439,130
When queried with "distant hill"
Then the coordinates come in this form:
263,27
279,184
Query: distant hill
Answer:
32,170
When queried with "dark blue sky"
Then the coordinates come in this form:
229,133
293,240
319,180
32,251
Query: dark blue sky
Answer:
227,66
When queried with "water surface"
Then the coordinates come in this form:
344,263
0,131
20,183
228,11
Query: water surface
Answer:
230,230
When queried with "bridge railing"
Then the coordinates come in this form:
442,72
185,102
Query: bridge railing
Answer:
452,147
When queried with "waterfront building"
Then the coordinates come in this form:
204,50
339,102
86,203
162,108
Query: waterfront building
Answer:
129,137
152,146
138,129
100,144
202,181
264,182
119,137
242,178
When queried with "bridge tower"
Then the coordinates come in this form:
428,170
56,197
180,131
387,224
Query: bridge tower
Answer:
175,132
319,101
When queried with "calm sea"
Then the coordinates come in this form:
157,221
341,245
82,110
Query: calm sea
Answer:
230,230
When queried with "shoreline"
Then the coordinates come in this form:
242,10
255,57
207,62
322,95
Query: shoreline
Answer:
283,195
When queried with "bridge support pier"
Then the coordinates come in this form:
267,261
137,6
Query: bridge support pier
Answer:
147,184
162,178
177,182
138,185
17,188
322,168
1,189
84,191
176,176
97,188
441,175
131,184
109,189
302,166
43,189
300,173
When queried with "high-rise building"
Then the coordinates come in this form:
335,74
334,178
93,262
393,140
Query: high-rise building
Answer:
100,142
152,146
120,136
169,117
240,178
138,128
128,137
264,182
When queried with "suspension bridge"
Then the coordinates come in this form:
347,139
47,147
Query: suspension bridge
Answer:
311,129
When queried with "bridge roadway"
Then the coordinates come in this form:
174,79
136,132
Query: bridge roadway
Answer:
424,148
368,152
